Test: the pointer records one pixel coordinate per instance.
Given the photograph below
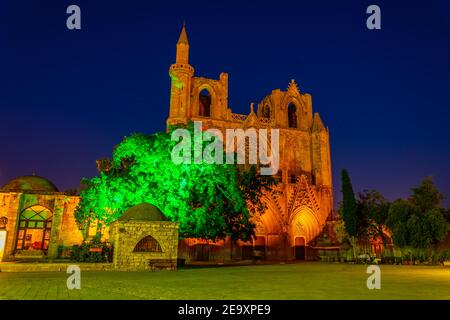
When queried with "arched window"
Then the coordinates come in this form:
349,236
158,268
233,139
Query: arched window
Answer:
35,224
279,175
148,244
293,179
204,103
266,111
292,115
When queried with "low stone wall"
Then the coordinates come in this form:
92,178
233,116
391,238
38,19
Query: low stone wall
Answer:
126,235
53,267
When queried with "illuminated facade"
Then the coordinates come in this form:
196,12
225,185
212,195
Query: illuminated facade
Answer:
37,220
298,211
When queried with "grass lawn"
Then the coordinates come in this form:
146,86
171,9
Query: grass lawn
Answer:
289,281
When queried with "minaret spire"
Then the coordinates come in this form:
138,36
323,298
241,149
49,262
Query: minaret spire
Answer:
183,47
183,35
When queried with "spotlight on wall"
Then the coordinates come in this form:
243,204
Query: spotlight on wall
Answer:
2,243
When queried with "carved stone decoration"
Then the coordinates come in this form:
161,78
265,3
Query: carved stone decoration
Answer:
293,88
260,229
3,222
303,195
299,229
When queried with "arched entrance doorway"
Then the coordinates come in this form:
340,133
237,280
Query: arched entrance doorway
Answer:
260,247
300,251
35,224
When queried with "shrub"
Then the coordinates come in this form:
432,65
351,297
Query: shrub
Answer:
388,260
419,255
64,252
444,255
349,255
84,252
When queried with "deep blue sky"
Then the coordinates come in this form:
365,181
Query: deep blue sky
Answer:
67,97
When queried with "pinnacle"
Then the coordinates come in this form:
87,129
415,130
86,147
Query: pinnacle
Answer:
292,85
317,123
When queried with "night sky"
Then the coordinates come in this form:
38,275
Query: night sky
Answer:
67,97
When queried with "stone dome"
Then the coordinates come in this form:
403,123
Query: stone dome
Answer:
30,183
143,212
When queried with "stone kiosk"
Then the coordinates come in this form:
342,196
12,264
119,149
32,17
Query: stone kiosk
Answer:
143,240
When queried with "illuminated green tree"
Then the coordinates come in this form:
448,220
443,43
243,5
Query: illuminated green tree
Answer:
210,201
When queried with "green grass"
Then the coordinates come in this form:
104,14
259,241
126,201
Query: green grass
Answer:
289,281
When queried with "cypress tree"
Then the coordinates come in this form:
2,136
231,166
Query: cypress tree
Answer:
349,207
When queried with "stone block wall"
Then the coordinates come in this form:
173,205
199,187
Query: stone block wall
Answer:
70,234
125,236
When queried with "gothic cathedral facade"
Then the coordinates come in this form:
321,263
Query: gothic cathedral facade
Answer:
298,211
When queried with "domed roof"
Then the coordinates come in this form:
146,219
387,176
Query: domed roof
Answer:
30,183
143,212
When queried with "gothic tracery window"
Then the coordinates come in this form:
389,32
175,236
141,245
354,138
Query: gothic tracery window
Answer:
292,115
204,101
266,111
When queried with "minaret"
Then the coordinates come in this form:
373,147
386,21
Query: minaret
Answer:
181,73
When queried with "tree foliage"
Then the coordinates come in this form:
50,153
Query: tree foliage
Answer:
373,211
446,213
210,201
426,196
419,221
340,231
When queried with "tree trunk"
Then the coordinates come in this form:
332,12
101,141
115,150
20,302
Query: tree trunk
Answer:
353,241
